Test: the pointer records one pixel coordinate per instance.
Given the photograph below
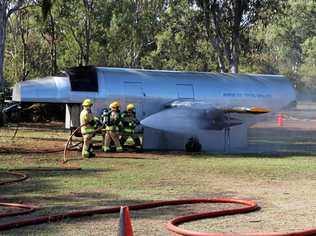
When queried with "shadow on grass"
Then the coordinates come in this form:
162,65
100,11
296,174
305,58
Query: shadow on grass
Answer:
127,156
76,156
21,150
41,181
254,155
53,139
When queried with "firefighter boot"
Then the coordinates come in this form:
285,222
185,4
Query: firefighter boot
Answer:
106,149
85,154
90,150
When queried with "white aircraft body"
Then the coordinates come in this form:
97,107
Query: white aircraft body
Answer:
172,106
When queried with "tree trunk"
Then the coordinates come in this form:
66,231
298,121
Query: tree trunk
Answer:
214,39
88,4
87,40
50,36
3,26
23,33
53,47
219,37
238,8
220,54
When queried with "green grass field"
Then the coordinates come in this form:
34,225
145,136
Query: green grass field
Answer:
283,186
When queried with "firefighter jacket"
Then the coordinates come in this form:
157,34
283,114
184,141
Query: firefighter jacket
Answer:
113,121
129,121
87,120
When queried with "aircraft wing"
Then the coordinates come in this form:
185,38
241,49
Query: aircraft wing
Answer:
187,116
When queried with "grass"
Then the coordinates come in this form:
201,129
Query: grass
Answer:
283,186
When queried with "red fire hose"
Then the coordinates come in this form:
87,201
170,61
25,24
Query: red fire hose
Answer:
250,206
25,208
171,225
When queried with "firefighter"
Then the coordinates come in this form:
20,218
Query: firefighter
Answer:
87,123
129,123
112,128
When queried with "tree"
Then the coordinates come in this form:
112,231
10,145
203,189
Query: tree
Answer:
17,47
7,8
79,23
50,34
180,43
226,22
307,70
27,54
131,32
288,44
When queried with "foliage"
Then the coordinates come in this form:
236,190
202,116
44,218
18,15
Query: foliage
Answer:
180,44
27,54
132,30
289,42
227,24
271,36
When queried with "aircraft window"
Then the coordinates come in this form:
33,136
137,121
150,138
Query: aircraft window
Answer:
83,78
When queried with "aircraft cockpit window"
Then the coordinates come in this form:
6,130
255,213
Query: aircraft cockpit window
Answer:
83,78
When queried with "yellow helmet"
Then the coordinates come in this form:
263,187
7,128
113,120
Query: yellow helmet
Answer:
87,103
130,107
115,105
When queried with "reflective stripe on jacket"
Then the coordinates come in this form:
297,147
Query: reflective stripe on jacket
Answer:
112,128
127,130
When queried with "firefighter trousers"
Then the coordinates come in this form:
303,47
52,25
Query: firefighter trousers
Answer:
87,142
112,135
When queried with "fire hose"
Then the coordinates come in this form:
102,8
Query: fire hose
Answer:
172,225
68,142
25,208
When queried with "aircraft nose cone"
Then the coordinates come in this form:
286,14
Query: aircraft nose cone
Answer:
179,120
150,122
